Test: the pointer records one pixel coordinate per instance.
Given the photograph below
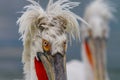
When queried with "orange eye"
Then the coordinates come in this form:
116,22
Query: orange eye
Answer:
46,45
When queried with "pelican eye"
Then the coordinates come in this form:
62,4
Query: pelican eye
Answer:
64,45
46,45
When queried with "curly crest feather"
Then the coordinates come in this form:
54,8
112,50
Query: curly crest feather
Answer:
52,24
59,8
97,15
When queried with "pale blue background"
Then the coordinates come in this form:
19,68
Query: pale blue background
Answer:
11,47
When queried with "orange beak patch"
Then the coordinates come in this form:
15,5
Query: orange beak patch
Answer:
88,53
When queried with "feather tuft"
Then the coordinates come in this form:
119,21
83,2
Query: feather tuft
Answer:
97,15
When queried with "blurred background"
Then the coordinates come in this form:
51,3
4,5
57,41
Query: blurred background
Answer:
11,47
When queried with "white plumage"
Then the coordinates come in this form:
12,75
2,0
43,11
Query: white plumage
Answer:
97,15
53,24
75,70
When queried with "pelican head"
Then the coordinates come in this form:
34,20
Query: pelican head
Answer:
53,42
95,46
97,15
45,36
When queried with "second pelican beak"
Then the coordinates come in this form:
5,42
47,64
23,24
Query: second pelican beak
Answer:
55,65
98,51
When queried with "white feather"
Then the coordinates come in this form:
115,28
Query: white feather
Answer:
59,8
28,29
98,14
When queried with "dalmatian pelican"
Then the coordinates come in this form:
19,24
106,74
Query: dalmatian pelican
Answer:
93,67
45,34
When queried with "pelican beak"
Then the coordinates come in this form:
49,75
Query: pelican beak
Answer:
55,65
98,50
